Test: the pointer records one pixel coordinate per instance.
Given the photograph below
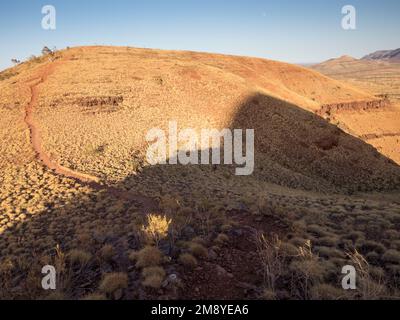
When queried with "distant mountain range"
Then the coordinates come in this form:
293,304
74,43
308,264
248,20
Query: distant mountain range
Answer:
377,73
377,60
387,55
342,64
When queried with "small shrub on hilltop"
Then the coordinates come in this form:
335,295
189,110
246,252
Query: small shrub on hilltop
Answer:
15,61
46,51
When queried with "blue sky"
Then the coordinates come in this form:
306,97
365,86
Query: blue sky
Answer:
287,30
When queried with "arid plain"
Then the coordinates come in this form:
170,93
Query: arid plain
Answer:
77,193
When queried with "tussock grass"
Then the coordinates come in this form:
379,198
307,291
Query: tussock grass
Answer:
149,257
153,277
188,260
79,257
113,281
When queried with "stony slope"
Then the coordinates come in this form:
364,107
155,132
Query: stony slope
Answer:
378,123
84,116
122,93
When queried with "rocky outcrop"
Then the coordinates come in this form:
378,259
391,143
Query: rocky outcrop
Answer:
373,136
328,109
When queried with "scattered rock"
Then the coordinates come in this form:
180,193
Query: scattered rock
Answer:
172,279
221,271
212,255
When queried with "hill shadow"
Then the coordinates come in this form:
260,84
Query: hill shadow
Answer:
295,149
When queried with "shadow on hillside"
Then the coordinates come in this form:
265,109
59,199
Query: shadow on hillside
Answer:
294,148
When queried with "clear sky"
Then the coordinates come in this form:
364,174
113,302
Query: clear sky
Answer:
287,30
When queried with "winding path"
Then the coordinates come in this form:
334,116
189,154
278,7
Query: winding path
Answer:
36,138
42,156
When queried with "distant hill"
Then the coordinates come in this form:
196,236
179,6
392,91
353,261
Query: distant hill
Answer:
277,99
380,77
387,55
342,64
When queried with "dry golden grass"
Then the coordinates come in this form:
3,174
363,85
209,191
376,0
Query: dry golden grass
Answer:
156,229
339,197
